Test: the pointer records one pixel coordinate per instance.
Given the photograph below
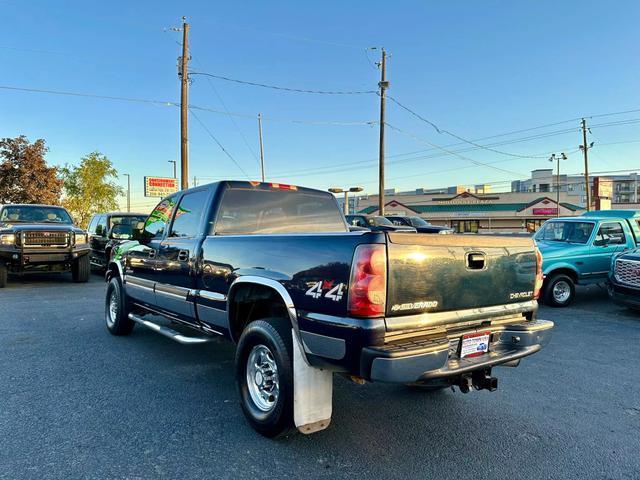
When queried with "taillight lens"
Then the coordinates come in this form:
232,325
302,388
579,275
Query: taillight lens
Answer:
539,278
368,283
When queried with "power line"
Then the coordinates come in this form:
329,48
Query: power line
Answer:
342,168
193,107
443,131
286,89
219,144
476,162
235,124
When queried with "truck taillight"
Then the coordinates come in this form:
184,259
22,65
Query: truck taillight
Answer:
539,278
368,283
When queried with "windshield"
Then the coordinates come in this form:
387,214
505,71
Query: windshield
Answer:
127,220
379,221
34,214
572,232
419,222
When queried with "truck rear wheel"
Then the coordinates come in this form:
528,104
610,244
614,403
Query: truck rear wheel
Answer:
117,308
3,275
80,269
264,376
559,291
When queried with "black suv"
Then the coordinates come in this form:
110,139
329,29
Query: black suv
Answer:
107,230
376,223
420,224
41,238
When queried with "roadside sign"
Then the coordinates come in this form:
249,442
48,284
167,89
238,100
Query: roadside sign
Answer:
160,186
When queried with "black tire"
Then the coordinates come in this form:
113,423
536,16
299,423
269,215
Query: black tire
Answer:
560,291
275,335
118,321
81,269
3,275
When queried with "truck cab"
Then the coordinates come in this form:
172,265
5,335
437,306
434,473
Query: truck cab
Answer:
578,250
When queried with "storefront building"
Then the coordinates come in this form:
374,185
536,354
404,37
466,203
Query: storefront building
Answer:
477,213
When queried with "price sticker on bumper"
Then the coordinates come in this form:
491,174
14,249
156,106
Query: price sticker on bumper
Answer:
474,344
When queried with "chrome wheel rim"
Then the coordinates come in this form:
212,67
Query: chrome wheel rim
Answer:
112,310
262,378
561,291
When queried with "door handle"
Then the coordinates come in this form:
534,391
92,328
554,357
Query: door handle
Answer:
183,255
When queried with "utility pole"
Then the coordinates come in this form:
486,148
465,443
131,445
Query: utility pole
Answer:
184,106
174,167
261,146
557,158
128,191
585,148
383,87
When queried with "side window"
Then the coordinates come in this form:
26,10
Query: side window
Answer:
189,214
101,227
610,234
397,221
157,222
92,224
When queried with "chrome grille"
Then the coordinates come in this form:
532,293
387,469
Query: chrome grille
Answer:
45,239
628,272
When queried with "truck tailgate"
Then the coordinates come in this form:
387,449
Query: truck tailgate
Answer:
450,273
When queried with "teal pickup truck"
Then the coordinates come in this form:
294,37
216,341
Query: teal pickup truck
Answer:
578,250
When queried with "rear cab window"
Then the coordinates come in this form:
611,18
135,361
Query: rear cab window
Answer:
610,233
247,211
188,217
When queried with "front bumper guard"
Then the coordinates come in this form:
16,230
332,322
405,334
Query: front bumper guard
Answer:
435,361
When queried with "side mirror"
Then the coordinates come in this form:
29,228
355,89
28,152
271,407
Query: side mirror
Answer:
100,231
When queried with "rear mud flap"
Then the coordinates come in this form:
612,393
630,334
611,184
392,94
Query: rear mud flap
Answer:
312,394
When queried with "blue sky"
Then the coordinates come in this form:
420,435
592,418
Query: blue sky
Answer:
476,69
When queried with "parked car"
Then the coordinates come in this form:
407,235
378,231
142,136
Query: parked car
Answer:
578,250
108,229
275,269
420,224
624,279
41,238
377,223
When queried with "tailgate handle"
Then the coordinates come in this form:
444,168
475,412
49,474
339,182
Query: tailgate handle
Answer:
475,261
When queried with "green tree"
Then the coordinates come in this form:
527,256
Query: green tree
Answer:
24,174
89,187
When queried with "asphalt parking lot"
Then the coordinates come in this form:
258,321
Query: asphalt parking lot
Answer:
76,402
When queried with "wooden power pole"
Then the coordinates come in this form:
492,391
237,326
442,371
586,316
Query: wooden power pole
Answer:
261,146
585,148
184,107
383,87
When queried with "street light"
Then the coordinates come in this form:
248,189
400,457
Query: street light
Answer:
128,191
346,195
174,167
557,159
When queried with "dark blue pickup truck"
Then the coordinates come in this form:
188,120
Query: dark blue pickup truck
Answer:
275,269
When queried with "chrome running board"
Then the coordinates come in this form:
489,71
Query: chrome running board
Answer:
170,333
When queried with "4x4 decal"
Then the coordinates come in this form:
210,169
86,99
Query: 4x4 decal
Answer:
335,293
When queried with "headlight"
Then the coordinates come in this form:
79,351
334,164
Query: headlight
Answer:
7,239
81,239
445,232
